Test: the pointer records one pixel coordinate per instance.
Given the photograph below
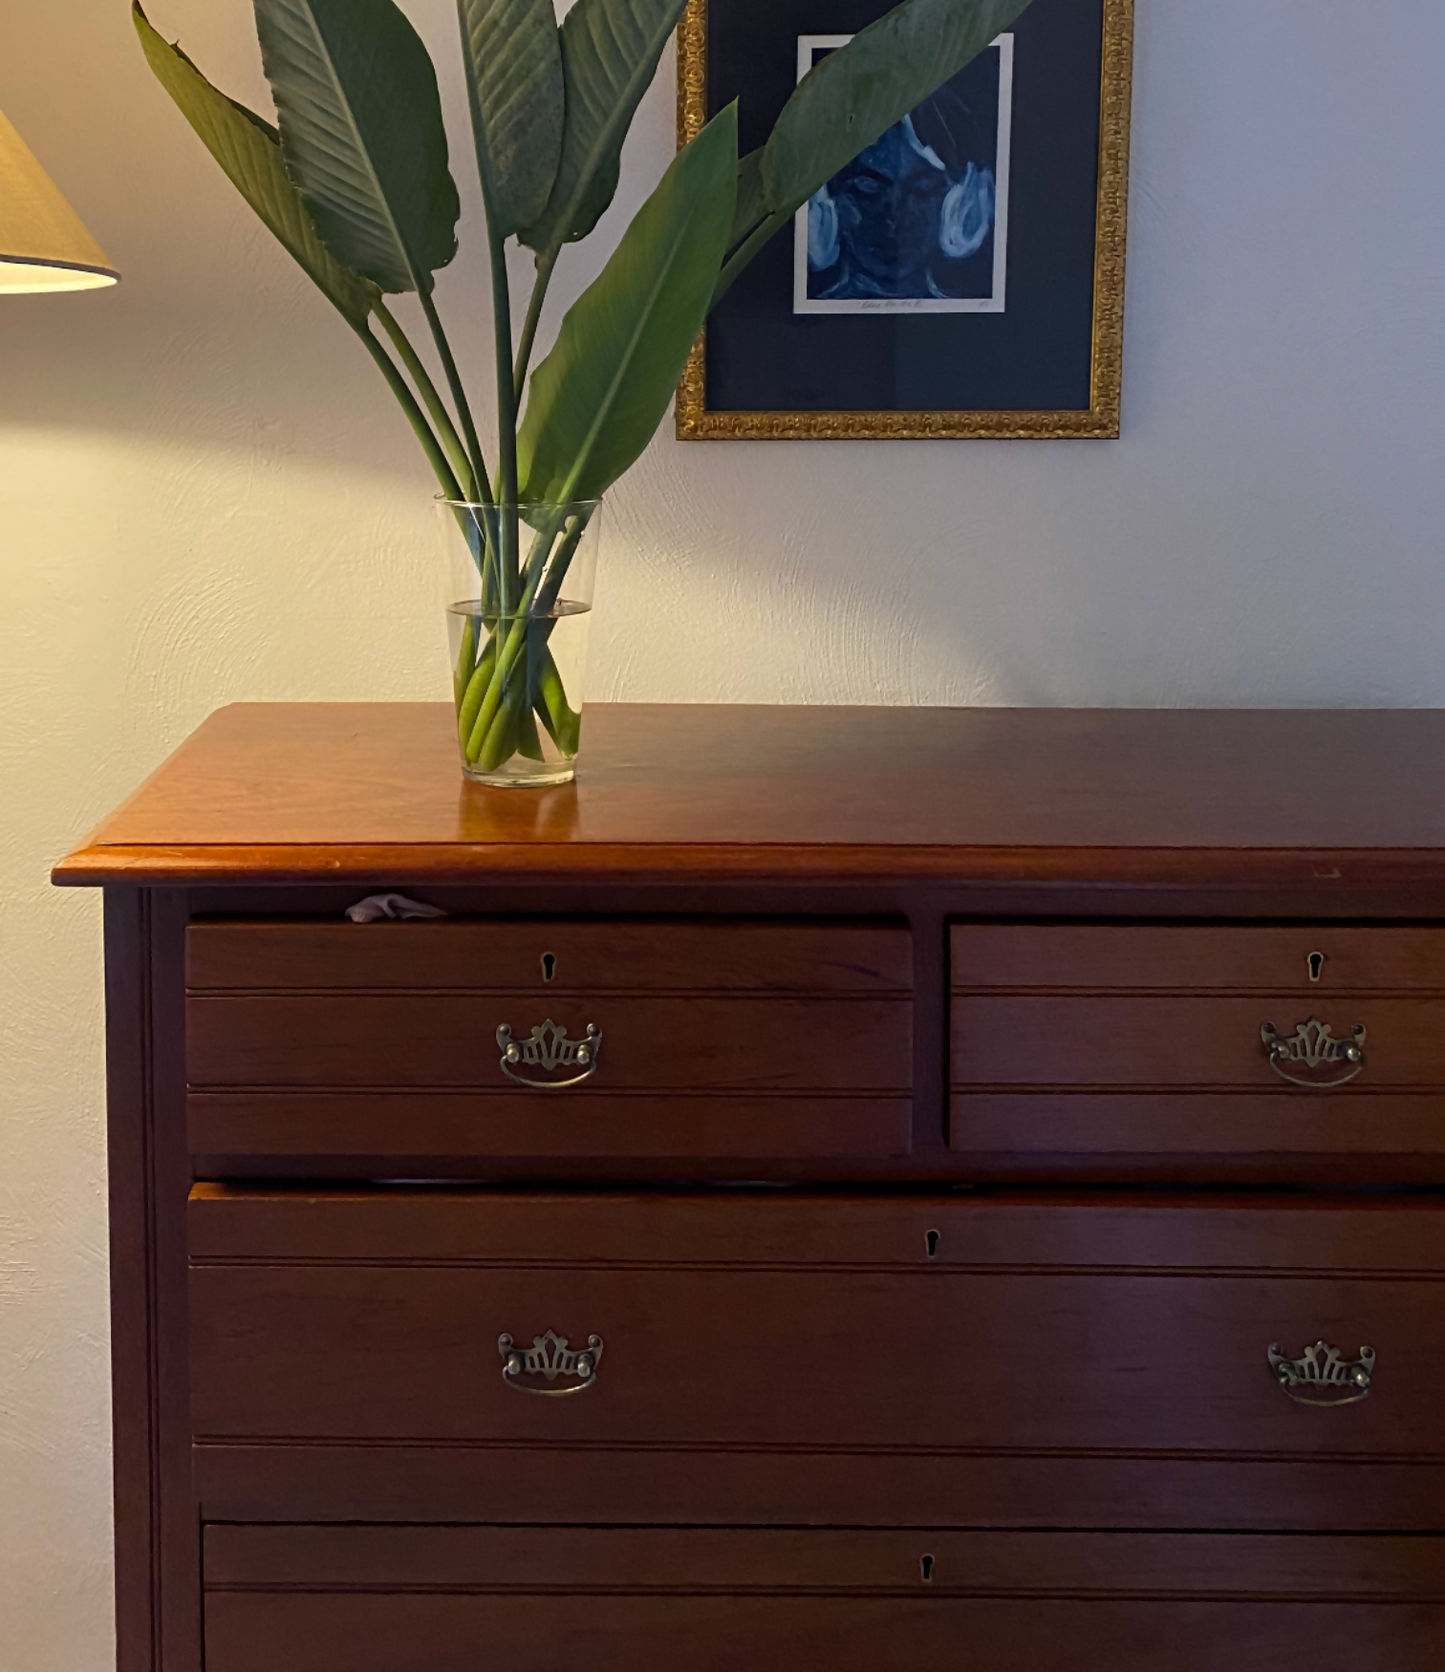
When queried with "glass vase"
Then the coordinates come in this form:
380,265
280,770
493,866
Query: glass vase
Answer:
522,578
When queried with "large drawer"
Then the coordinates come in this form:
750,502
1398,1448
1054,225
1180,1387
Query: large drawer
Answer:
776,1357
363,1599
548,1040
1273,1051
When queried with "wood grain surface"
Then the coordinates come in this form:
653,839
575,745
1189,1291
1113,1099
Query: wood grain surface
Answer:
349,1339
1198,1043
543,1561
1322,1234
1197,958
1046,1361
362,1599
547,956
1374,1137
381,1633
715,1039
646,1485
765,910
468,1133
328,791
441,1040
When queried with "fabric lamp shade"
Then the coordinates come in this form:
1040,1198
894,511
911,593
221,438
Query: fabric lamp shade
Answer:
43,242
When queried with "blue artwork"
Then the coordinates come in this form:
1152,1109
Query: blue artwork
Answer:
918,223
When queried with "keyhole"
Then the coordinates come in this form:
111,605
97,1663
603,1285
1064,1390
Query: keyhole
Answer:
925,1564
932,1239
549,966
1316,962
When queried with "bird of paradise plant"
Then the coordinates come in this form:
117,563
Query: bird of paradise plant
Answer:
354,180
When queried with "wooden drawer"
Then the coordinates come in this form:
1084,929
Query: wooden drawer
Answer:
1143,1047
328,1040
361,1599
772,1357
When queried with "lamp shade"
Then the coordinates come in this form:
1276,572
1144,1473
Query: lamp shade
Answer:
43,242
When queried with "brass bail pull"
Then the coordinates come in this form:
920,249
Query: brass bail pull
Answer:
539,1061
549,1360
1312,1057
1323,1376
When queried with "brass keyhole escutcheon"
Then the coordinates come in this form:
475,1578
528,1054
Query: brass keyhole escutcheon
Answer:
931,1240
549,965
1316,964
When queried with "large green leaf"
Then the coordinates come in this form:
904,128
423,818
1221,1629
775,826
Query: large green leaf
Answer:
362,134
752,204
249,150
598,397
610,50
514,67
857,93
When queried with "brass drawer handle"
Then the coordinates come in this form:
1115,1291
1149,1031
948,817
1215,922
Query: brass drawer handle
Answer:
545,1052
550,1357
1312,1057
1322,1376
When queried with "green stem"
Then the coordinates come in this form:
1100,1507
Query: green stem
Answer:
459,394
548,593
446,475
506,400
501,331
490,711
431,396
491,702
746,251
475,687
436,454
545,265
466,659
563,722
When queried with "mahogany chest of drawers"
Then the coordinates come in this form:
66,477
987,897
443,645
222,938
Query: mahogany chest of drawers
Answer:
875,1189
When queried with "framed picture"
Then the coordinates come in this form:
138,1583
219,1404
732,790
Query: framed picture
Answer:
964,277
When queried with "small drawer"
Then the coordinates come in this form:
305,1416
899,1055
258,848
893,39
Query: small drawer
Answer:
361,1599
762,1357
548,1040
1251,1050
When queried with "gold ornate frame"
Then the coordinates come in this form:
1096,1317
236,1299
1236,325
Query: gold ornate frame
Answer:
1100,421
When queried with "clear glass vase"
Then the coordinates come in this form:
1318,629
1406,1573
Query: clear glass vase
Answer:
522,576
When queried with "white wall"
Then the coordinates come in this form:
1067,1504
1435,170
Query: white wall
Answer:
205,495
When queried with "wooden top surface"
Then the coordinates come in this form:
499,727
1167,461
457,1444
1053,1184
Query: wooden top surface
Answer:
352,792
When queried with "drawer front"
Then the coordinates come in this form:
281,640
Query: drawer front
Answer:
446,1042
361,1599
1255,1049
917,1329
550,1040
1305,961
1135,1040
511,955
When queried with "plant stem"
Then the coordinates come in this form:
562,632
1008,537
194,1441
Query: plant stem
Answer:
506,568
511,639
562,561
459,393
436,454
506,399
529,328
489,717
451,488
431,396
746,251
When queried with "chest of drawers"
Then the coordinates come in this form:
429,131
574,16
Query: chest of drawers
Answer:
883,1189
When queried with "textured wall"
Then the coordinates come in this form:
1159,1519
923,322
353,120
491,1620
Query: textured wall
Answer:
205,495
